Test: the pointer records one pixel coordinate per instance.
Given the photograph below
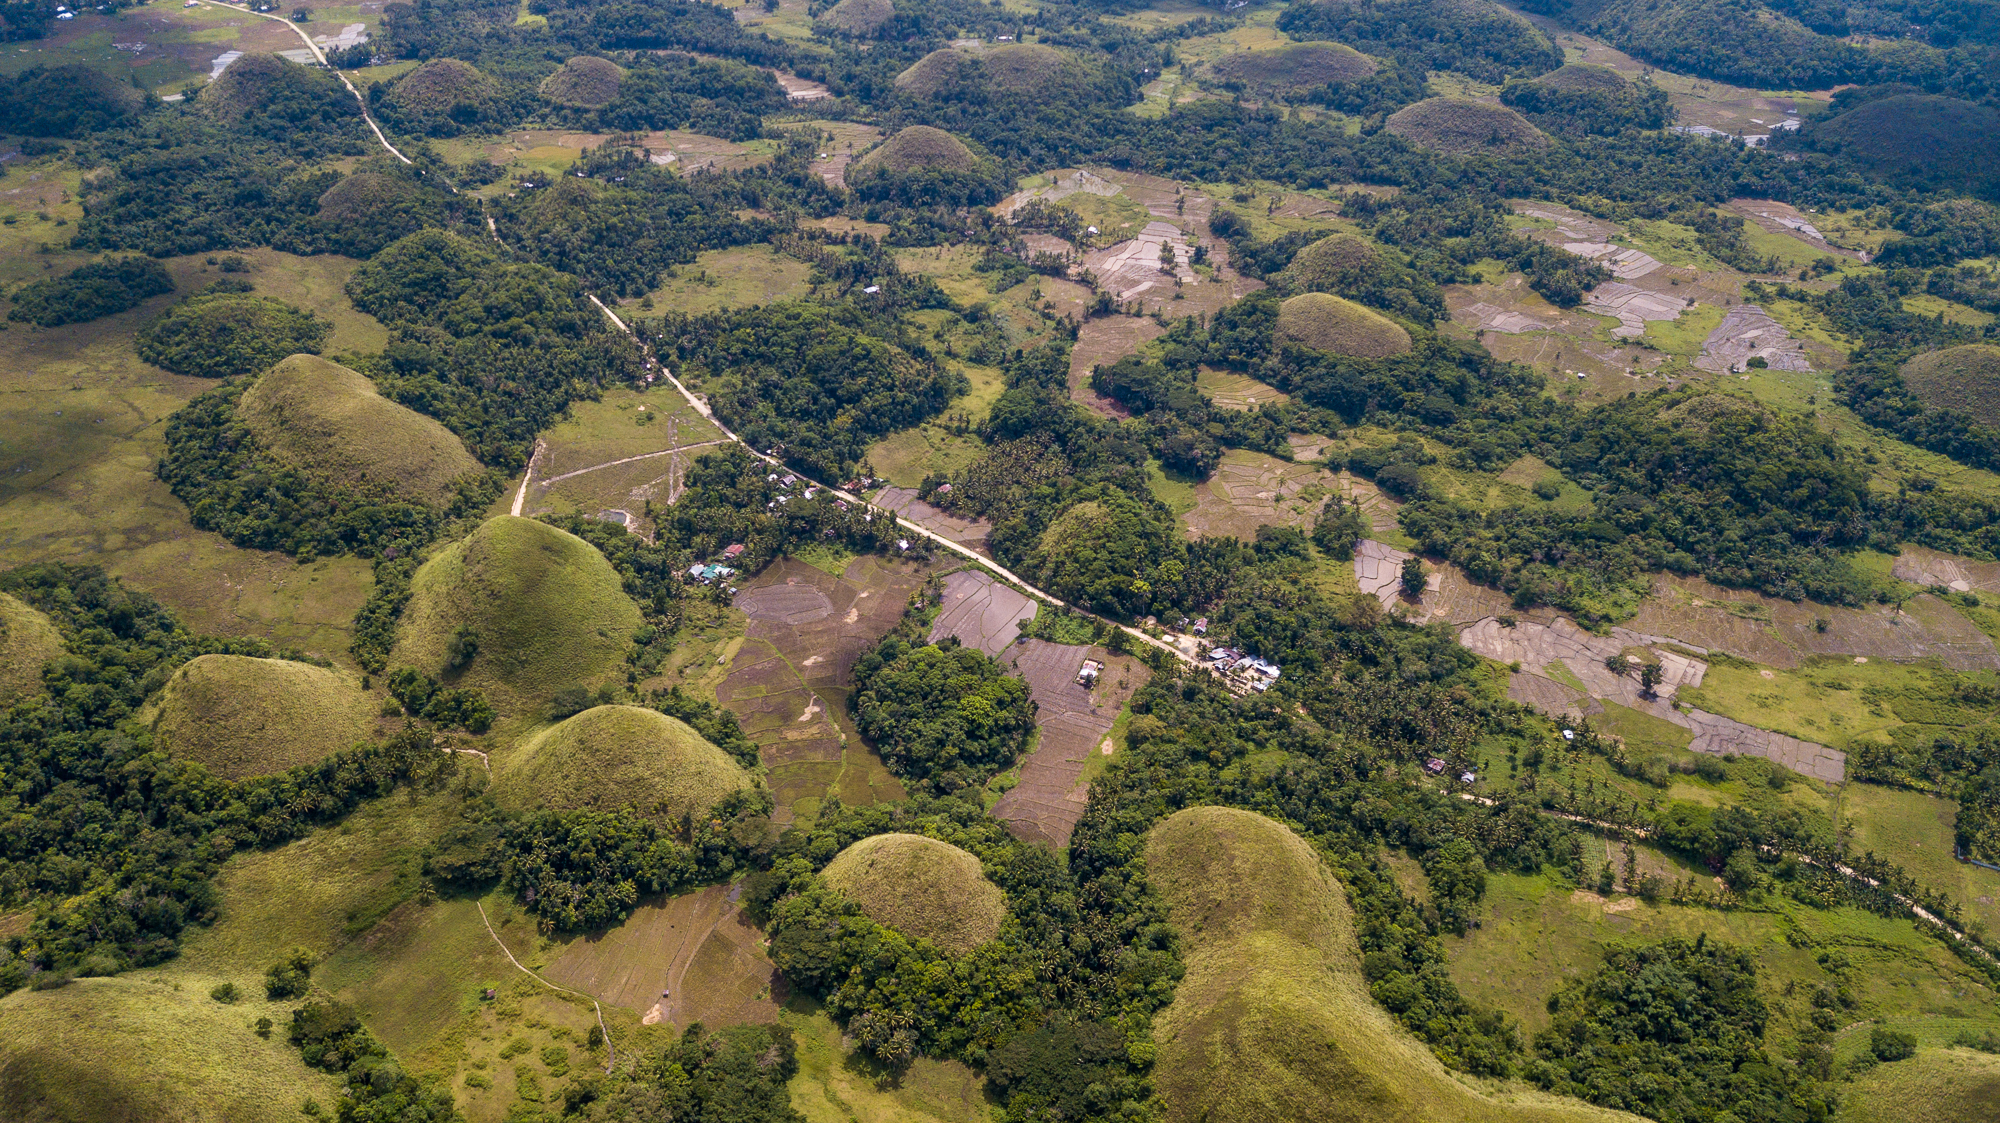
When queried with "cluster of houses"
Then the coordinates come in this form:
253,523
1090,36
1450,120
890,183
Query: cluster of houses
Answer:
1437,767
708,573
1243,669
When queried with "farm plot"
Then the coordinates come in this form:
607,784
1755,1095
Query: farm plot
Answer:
1920,565
610,458
1564,671
846,139
788,682
679,960
1074,723
1250,489
1748,333
1229,390
1102,341
981,612
904,502
1779,633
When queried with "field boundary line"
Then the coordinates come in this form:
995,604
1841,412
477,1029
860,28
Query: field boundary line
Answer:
610,1051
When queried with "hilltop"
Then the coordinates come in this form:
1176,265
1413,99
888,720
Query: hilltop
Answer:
1459,127
1965,378
328,421
244,717
584,82
859,17
27,640
1299,66
918,147
619,756
1334,324
921,887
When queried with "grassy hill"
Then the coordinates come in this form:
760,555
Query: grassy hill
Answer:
936,72
329,421
67,101
246,86
585,82
127,1050
1935,1086
363,195
244,717
1582,76
1301,65
921,887
1961,378
433,89
1327,265
27,640
859,17
1273,1021
1330,323
1458,127
1013,68
545,607
619,756
919,146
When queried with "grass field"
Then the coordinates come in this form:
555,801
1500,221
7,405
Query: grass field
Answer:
837,1085
1273,1020
1938,1085
548,612
329,421
1827,700
921,887
731,278
1342,327
137,1050
1459,126
27,641
1914,830
609,757
244,717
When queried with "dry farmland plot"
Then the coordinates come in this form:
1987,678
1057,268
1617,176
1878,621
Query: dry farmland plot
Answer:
1237,391
613,456
789,680
685,959
1779,633
848,138
83,430
731,278
1102,341
1074,723
1250,489
981,612
904,502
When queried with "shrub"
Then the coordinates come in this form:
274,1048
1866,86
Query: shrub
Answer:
291,976
1891,1044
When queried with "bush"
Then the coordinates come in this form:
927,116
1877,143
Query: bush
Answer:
289,977
100,288
1891,1044
224,993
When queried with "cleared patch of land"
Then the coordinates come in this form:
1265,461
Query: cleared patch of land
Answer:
1250,489
981,612
1074,725
733,278
680,960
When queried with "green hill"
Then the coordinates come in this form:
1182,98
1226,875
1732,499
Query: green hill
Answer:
1458,127
1332,264
27,640
1300,66
244,717
66,101
1962,378
1918,138
329,421
921,887
1935,1086
859,17
544,607
585,82
619,756
1026,67
1582,76
936,72
1329,323
440,86
916,147
126,1050
1273,1022
246,86
216,335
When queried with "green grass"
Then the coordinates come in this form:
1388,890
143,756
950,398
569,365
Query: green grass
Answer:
548,610
732,278
1273,1020
916,148
133,1050
1924,304
1828,699
837,1085
827,557
611,757
1682,337
1642,732
242,717
1342,327
921,887
1173,489
328,421
1938,1085
1458,127
934,72
27,641
1914,830
1962,378
1116,217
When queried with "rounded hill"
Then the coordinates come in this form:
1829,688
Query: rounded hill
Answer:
125,1050
436,87
1273,1022
584,82
1582,76
859,17
936,72
1301,65
216,335
1965,378
1025,67
363,195
248,84
27,640
1014,68
328,420
1332,264
611,757
1918,137
68,101
541,608
921,887
1459,127
241,717
916,148
1330,323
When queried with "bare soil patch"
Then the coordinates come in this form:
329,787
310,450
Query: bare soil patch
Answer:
1250,489
1780,633
1075,723
1102,341
1920,565
1747,333
904,502
678,960
982,612
848,140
